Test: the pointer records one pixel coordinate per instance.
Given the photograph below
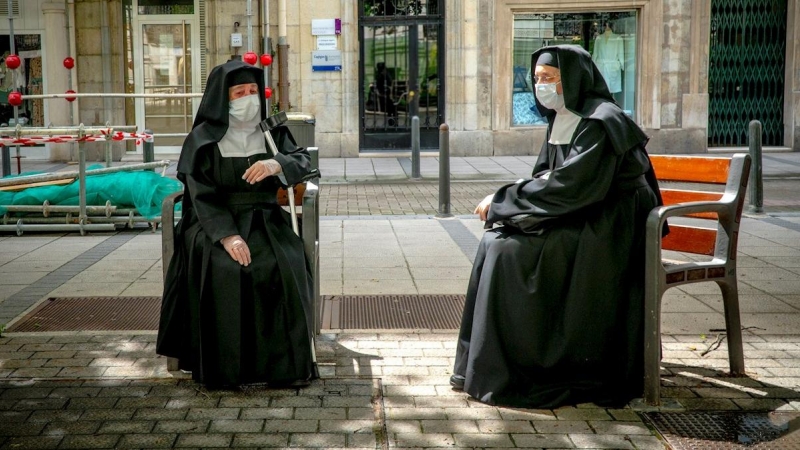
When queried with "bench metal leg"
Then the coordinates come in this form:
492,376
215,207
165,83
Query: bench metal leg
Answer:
733,324
652,344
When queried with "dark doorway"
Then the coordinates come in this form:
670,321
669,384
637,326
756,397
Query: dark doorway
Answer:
401,72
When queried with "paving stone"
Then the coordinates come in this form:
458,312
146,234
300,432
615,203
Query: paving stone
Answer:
597,441
192,402
148,441
160,414
37,404
204,440
581,414
320,413
141,402
347,426
472,413
266,413
302,402
50,415
236,426
74,392
32,443
11,429
107,414
26,392
88,403
21,363
35,372
362,440
244,402
213,413
648,443
81,372
561,426
126,391
260,440
126,427
89,441
290,425
181,426
625,428
60,428
411,440
317,440
504,426
14,416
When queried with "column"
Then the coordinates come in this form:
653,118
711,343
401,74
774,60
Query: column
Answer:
56,48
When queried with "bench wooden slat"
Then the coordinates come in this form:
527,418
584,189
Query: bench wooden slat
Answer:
691,169
682,238
674,196
299,190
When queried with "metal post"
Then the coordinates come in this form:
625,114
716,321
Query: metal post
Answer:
756,179
82,217
7,151
415,148
148,147
444,171
109,156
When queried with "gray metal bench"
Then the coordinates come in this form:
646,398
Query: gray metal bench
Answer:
306,198
720,244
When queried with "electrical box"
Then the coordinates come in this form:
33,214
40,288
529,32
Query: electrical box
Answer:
236,39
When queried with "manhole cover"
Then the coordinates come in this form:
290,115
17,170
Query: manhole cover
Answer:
441,312
728,430
92,313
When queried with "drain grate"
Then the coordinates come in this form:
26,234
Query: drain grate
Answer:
441,312
92,313
728,430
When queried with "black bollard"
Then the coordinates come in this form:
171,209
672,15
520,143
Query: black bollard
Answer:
415,148
756,178
444,171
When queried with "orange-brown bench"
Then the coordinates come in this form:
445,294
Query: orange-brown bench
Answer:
725,208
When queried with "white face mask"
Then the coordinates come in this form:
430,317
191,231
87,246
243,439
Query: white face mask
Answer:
245,108
548,96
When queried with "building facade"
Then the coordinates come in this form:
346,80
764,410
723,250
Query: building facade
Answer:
692,73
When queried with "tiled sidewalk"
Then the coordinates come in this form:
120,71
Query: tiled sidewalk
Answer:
378,390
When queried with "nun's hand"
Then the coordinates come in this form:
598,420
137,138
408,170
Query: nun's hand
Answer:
261,169
482,210
237,248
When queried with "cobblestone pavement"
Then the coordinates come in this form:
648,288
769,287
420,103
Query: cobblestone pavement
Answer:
422,197
379,390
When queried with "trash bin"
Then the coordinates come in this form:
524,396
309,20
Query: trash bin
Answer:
301,126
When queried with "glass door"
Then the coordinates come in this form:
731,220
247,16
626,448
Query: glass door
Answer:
165,67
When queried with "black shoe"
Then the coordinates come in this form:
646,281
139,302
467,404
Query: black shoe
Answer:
457,381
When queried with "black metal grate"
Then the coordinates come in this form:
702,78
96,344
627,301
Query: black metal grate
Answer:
392,311
728,430
92,313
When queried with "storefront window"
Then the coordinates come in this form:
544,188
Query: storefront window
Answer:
26,79
610,37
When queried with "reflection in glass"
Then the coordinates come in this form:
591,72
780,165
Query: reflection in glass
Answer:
167,70
609,37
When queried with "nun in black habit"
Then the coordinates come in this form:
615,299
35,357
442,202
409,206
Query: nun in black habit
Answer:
238,292
553,312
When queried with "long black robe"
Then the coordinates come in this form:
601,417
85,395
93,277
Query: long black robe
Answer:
555,316
227,323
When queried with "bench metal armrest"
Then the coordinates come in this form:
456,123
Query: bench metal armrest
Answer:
310,231
168,228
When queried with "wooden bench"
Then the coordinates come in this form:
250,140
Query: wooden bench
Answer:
306,202
725,209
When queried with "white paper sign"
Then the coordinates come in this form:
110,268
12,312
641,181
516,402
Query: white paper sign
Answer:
327,42
326,26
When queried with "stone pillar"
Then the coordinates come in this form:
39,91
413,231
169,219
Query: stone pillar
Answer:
55,50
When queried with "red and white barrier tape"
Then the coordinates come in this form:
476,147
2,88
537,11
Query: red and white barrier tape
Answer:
105,135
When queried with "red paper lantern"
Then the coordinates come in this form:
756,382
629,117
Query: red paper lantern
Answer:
14,98
267,92
266,59
69,63
250,58
12,61
70,99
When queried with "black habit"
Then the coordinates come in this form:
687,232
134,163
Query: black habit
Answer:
554,315
227,323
